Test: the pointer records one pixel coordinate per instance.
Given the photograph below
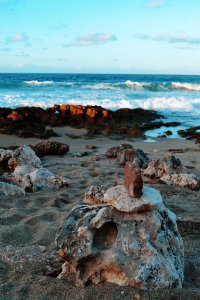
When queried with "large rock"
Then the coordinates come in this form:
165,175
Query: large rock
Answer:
170,170
125,153
122,240
165,166
183,180
28,173
102,244
24,156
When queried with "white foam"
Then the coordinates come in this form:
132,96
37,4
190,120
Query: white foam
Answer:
36,82
135,84
186,86
99,86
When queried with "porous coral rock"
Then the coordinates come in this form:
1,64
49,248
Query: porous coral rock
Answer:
165,166
122,239
102,244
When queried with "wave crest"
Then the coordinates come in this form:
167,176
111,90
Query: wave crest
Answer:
36,82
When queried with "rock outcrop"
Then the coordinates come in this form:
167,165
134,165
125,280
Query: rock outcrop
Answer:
170,170
122,239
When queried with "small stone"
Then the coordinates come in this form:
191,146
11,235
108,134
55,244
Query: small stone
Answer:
133,180
91,147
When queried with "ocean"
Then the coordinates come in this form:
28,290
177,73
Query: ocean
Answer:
177,97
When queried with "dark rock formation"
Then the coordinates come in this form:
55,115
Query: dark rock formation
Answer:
32,121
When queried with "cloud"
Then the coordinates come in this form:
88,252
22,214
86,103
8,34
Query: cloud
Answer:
172,39
155,3
20,37
92,39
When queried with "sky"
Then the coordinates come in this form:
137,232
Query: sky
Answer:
100,36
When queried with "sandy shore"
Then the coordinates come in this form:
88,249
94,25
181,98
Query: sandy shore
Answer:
32,220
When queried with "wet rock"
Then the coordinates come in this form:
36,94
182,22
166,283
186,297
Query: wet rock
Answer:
122,239
133,180
50,148
183,180
165,166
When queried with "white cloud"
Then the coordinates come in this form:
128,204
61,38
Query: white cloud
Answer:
91,39
172,39
155,3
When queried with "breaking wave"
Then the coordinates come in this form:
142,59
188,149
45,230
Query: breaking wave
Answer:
36,82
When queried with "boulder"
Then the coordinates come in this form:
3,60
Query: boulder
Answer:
170,170
24,156
123,240
165,166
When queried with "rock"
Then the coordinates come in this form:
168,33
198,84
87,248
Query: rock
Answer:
119,198
101,244
183,180
82,153
22,156
122,239
165,166
126,155
8,189
91,147
133,180
168,132
5,155
114,151
50,148
143,159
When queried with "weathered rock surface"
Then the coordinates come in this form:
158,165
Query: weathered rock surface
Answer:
183,180
27,173
8,189
165,166
50,148
170,170
102,244
125,152
122,239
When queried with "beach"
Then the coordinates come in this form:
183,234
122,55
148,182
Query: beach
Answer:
29,258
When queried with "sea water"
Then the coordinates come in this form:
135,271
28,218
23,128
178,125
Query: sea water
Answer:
177,97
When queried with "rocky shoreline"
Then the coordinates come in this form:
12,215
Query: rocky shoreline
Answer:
33,121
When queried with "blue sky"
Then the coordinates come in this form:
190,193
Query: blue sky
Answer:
100,36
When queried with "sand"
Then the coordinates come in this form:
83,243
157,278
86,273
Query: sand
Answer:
28,224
